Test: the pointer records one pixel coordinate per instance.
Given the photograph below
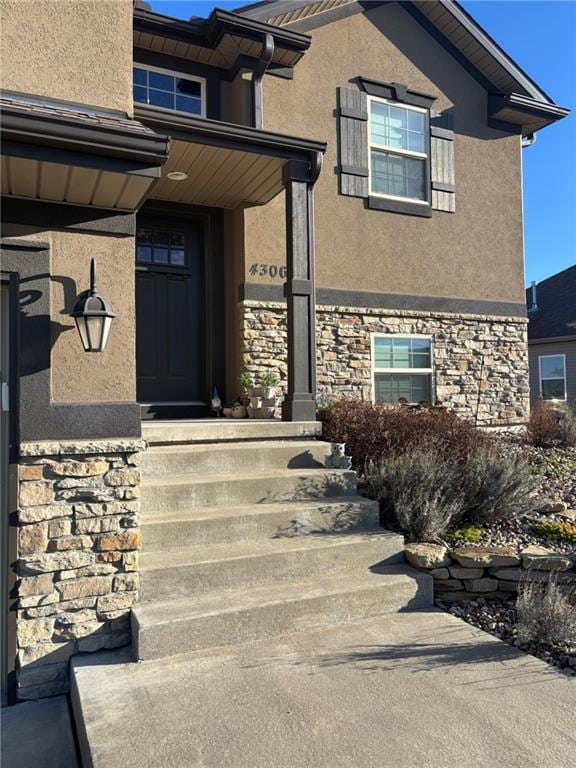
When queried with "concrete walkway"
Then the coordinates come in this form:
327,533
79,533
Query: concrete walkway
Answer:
410,690
37,734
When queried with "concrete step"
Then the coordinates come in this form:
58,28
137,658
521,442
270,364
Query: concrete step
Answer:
197,459
241,616
171,494
197,570
219,525
219,430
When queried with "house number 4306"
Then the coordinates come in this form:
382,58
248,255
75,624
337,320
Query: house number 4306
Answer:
268,270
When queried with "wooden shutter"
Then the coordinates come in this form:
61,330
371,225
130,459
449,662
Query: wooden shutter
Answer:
442,162
353,124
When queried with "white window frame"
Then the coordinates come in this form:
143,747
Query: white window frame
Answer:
392,150
552,378
427,371
173,73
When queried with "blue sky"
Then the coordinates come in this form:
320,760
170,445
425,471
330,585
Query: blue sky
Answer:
540,35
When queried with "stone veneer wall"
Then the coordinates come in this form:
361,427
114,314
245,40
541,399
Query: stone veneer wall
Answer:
480,361
465,573
78,536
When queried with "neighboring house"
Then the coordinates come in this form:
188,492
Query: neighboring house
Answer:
326,191
552,338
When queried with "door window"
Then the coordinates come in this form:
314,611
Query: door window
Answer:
156,246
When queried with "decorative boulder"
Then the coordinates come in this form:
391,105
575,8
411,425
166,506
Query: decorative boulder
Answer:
482,557
427,555
551,506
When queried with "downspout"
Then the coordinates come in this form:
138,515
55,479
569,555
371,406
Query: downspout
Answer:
528,141
259,71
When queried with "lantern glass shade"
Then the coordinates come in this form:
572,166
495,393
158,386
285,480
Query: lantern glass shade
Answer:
93,316
94,331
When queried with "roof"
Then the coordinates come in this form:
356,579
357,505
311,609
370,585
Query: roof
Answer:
452,25
556,301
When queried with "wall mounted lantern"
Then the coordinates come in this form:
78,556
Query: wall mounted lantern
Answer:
93,316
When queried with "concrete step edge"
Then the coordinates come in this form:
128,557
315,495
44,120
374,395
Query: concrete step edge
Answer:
235,601
230,477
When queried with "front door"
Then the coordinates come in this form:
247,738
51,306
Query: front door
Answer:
170,318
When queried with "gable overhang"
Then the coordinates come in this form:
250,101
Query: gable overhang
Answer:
516,102
56,154
223,40
226,165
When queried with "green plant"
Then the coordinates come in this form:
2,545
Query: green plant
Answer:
497,486
542,426
546,613
246,381
269,380
467,534
556,531
419,491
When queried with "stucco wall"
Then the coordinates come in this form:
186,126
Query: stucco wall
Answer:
77,376
474,253
74,50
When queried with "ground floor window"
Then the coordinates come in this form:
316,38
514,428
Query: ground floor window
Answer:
552,377
402,368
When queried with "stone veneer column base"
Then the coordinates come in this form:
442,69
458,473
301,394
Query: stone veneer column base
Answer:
480,361
78,536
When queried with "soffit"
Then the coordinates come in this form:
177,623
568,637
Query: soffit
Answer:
219,177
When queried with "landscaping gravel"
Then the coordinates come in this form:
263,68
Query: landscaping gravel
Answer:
518,534
498,617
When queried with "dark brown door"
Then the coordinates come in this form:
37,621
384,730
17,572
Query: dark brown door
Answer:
170,318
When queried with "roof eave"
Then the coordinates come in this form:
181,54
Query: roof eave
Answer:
527,114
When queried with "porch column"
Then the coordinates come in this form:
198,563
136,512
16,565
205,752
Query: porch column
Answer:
300,401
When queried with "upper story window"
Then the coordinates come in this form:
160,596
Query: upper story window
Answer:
170,90
552,377
399,150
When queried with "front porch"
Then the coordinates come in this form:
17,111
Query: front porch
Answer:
214,170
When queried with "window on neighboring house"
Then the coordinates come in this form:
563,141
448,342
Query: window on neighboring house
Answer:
399,151
402,368
552,377
169,90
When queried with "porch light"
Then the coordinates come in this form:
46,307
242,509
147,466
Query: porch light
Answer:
93,316
177,175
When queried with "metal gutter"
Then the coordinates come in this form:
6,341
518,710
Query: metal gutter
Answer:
246,138
24,126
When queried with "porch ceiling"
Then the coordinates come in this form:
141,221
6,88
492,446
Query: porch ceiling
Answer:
219,177
38,179
227,165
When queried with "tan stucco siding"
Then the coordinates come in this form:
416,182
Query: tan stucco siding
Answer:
535,351
474,253
73,50
77,376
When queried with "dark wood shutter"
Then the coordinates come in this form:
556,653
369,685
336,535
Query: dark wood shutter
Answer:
353,124
442,162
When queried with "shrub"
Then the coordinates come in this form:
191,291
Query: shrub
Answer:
556,531
497,486
418,490
468,534
546,614
542,426
567,432
375,431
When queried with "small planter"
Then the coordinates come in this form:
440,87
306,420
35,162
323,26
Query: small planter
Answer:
268,392
256,392
239,412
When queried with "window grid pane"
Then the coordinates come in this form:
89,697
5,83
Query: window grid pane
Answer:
402,353
553,389
552,367
160,247
167,91
391,387
398,175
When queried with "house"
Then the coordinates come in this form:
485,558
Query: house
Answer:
552,338
328,192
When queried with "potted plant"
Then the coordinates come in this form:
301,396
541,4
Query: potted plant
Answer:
268,383
247,384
